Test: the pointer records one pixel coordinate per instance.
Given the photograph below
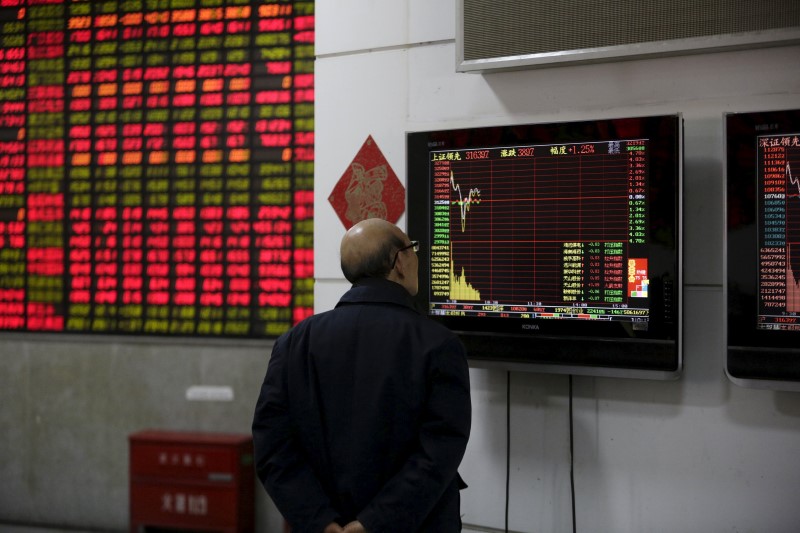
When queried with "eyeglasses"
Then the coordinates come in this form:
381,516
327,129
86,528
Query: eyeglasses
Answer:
414,245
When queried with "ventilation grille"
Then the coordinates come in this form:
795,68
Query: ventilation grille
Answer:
517,33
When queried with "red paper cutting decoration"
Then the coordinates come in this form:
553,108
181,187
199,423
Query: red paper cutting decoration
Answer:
369,188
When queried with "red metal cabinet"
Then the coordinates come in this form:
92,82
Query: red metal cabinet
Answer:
196,481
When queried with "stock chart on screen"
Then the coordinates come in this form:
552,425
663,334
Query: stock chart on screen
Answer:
541,231
779,236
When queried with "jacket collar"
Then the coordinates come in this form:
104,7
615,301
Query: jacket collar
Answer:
375,290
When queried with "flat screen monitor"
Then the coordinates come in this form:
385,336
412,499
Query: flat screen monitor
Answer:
553,247
762,166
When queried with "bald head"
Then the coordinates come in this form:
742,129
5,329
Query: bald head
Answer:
368,248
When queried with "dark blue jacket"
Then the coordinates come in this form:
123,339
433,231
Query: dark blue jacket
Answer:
365,414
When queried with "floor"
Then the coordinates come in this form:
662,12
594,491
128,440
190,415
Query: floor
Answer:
9,528
13,528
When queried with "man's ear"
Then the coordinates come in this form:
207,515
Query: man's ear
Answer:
398,273
400,266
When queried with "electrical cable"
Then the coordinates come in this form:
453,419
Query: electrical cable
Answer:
508,442
571,451
572,458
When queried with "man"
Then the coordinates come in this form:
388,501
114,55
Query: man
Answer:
365,412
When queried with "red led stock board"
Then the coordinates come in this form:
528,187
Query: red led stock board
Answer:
156,166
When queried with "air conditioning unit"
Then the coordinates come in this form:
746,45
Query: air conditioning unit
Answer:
512,34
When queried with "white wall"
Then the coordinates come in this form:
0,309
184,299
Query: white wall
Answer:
697,454
68,404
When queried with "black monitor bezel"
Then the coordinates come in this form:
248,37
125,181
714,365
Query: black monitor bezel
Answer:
569,346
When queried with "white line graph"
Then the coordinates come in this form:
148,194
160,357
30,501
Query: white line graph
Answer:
792,180
473,197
